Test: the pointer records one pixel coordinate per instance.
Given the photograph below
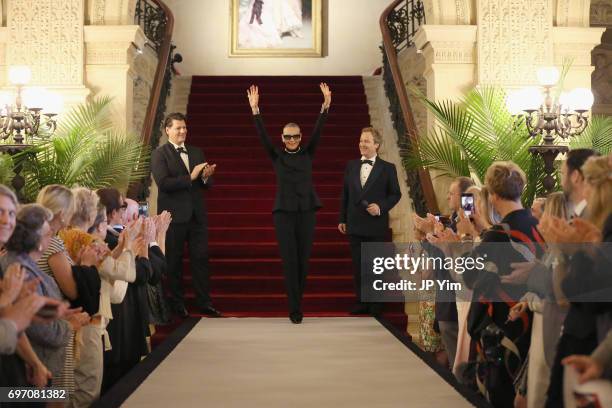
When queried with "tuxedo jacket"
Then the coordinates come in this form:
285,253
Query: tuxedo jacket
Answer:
294,188
178,194
381,188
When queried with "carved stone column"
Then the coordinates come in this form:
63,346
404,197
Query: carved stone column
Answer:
109,12
450,71
47,36
110,52
601,79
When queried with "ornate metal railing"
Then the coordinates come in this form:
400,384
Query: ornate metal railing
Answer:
157,22
399,23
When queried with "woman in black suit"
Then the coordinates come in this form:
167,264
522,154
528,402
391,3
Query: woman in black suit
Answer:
296,201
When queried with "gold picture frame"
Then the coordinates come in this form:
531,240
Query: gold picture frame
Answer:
276,28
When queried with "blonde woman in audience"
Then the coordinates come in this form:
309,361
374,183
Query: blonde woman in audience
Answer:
88,371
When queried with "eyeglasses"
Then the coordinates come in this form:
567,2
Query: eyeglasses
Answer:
294,137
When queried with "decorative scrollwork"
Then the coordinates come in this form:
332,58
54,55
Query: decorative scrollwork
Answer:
403,22
153,21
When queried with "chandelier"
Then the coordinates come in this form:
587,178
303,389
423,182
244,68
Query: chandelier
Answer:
31,114
551,114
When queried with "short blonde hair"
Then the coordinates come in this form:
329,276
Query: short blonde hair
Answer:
597,173
506,180
556,205
86,206
57,198
375,135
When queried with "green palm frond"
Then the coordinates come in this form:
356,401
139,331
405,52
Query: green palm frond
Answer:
474,132
597,135
88,151
6,169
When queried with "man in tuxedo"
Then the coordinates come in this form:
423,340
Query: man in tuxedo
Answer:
182,174
370,191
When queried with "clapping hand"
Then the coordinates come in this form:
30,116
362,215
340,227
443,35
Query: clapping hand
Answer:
11,284
253,95
209,170
327,95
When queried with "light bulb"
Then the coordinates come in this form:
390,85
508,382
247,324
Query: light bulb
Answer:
531,98
581,99
20,75
34,97
548,76
514,102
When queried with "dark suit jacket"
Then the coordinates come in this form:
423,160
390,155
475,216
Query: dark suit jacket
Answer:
294,188
381,188
178,194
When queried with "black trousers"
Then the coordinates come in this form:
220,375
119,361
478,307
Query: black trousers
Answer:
355,243
196,235
295,232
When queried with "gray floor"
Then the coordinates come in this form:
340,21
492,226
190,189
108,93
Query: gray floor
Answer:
325,362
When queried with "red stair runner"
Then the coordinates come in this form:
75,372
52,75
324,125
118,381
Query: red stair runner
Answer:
246,274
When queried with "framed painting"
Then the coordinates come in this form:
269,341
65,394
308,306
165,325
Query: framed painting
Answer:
276,28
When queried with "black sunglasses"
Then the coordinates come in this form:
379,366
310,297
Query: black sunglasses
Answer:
294,137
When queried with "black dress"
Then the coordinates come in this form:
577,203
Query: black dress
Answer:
294,208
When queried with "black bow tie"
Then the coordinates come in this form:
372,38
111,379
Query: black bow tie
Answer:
181,150
370,162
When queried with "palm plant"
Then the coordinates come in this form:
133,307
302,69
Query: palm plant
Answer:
597,136
6,169
87,150
474,132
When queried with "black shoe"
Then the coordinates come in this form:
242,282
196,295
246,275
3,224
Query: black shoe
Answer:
180,311
359,309
210,311
296,317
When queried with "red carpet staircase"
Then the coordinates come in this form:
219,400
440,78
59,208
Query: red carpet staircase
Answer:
246,274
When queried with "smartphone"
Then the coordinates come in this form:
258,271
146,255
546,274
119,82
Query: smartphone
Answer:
143,209
467,204
48,311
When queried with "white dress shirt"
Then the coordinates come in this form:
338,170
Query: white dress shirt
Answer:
366,169
184,155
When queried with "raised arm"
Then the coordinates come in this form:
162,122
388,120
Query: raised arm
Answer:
253,95
316,132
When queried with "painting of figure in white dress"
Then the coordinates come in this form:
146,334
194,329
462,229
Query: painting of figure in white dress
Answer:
276,28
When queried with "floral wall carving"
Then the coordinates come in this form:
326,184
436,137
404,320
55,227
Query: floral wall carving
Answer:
514,38
48,36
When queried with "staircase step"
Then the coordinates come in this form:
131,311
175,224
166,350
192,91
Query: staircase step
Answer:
273,79
329,191
305,117
239,106
270,249
276,284
268,177
199,131
323,152
273,266
260,219
241,87
266,234
297,98
257,204
262,163
249,138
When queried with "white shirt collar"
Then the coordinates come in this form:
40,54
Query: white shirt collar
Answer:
373,159
177,146
579,208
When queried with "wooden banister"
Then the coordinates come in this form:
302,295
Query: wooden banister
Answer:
411,129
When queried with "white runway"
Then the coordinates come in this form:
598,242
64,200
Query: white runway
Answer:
324,362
